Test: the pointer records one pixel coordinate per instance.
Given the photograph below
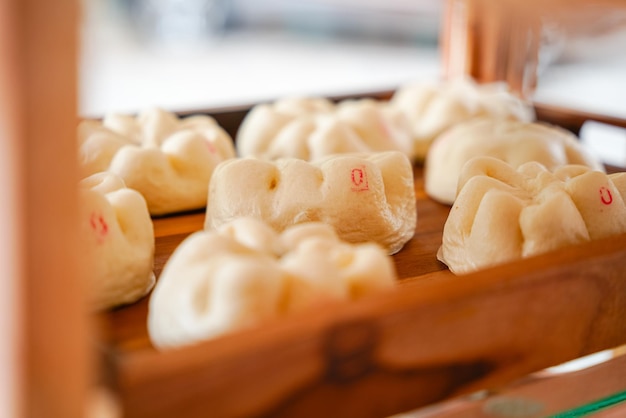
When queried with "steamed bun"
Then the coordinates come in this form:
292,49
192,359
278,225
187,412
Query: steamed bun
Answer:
365,198
502,214
118,238
244,273
512,141
310,129
264,122
433,108
168,160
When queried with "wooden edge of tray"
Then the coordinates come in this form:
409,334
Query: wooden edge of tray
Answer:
571,119
369,358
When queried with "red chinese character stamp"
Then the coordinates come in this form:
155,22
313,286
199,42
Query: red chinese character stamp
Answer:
605,196
359,179
99,226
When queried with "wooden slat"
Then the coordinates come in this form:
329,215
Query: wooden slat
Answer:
572,119
437,336
38,77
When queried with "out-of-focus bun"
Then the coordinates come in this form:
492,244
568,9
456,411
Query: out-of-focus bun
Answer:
511,141
168,160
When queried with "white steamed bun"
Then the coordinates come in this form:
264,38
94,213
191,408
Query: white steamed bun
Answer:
244,273
511,141
168,160
365,198
313,128
118,238
432,108
502,214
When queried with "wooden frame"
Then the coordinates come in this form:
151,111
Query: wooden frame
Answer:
44,327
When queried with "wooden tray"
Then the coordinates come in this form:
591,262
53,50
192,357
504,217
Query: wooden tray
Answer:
435,336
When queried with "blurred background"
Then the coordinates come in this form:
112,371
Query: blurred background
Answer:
206,54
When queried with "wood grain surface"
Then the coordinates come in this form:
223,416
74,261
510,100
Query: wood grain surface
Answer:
436,336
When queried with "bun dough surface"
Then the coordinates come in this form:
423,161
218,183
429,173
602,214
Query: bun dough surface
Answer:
244,273
365,198
511,141
311,129
168,160
502,214
117,235
433,108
